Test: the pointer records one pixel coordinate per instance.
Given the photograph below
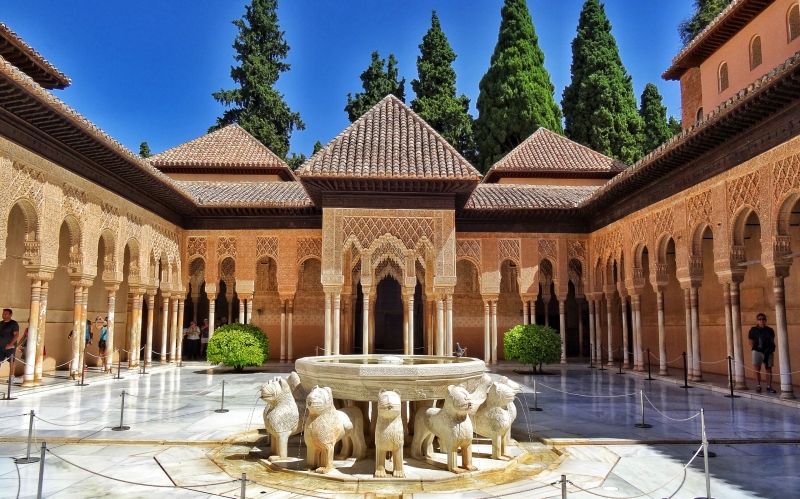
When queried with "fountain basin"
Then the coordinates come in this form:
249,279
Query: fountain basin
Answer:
362,377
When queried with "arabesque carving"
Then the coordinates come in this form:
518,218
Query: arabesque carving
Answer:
509,249
470,248
266,246
197,247
786,175
309,246
699,208
576,248
226,246
408,230
744,190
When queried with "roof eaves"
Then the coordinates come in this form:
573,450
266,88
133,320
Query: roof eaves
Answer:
34,56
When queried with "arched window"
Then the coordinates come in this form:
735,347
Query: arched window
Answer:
755,52
723,76
699,114
793,22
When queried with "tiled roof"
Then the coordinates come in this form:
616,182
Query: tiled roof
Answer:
389,142
229,147
545,151
247,194
523,196
28,60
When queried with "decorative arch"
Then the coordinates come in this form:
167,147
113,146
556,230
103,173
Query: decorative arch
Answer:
133,247
783,217
75,243
31,216
793,22
227,270
722,77
755,52
110,257
739,222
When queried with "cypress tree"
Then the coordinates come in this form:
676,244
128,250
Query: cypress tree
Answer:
675,126
516,94
255,104
599,104
654,116
144,150
435,90
704,12
377,84
317,147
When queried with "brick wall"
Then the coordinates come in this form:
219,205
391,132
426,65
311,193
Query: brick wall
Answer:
691,97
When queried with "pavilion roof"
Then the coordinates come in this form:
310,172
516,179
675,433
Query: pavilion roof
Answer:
21,55
548,154
525,196
275,194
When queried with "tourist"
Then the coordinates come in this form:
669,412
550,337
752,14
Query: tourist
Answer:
192,335
762,345
9,333
101,344
204,337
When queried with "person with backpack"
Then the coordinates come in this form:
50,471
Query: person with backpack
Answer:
762,346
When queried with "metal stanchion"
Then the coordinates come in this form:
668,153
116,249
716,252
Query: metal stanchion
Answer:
11,376
121,426
641,402
600,360
706,454
535,401
28,459
621,359
730,378
685,373
649,376
143,366
244,486
41,472
119,369
563,486
591,356
222,405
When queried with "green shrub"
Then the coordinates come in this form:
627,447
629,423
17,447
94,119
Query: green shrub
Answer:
238,345
532,345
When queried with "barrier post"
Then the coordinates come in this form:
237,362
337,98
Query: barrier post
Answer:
602,368
119,368
649,376
730,378
222,404
244,486
705,454
535,402
41,472
121,427
641,403
591,355
685,373
11,376
28,459
563,486
621,359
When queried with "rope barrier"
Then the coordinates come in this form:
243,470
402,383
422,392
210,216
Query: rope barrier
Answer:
753,370
588,396
714,361
82,422
14,415
673,419
679,357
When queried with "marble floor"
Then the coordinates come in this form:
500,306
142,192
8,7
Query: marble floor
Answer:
587,421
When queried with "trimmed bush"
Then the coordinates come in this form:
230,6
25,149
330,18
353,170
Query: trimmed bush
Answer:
532,345
238,345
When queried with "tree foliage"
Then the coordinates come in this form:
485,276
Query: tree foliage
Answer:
654,116
377,83
144,150
317,147
516,94
435,90
599,105
704,12
238,345
675,125
532,345
255,104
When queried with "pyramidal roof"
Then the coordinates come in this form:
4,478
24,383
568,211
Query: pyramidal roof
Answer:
228,149
545,154
389,142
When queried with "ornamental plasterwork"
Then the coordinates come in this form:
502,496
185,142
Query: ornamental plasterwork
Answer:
576,248
547,248
742,191
74,201
197,247
309,246
266,246
509,249
785,175
408,229
226,246
663,222
25,182
639,229
469,248
699,208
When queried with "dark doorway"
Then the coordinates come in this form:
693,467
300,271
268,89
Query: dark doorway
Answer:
389,317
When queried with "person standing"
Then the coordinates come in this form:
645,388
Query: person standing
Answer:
192,341
101,344
762,346
9,333
204,337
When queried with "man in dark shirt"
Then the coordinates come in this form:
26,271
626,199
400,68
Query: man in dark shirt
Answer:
762,346
9,333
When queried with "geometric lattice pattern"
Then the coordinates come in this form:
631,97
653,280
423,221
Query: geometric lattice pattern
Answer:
743,191
309,246
786,175
470,248
547,247
228,270
699,208
226,246
266,246
639,231
663,222
509,249
576,249
197,247
407,229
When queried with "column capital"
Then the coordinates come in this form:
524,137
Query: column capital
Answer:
80,280
111,285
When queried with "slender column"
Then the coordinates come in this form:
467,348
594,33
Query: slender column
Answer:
372,300
494,331
546,300
283,331
84,315
637,332
128,322
337,322
195,297
580,328
525,312
404,300
533,311
449,345
562,318
698,372
626,359
662,345
212,308
783,338
365,322
33,323
726,295
289,334
37,375
411,324
179,334
241,310
173,354
736,325
112,305
229,298
77,312
609,299
165,326
151,305
487,332
592,336
133,327
249,317
598,331
328,328
440,326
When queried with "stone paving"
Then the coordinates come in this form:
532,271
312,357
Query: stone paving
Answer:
179,447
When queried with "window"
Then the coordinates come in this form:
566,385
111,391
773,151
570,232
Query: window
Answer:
723,76
755,52
699,114
793,22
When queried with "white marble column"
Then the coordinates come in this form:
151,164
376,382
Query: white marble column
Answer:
696,367
179,333
283,331
195,297
525,312
165,326
609,305
37,375
404,300
449,341
289,333
151,305
212,308
77,313
33,325
598,330
639,353
546,301
626,358
562,324
249,317
726,296
782,335
110,313
487,332
133,330
494,331
738,350
365,321
229,299
580,327
592,339
411,324
175,332
328,325
337,322
662,344
241,310
687,306
440,326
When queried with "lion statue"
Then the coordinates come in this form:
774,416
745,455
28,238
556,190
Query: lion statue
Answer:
494,418
325,426
281,417
389,435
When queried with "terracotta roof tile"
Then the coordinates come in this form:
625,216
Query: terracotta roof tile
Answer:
36,66
522,196
247,194
228,147
389,141
545,151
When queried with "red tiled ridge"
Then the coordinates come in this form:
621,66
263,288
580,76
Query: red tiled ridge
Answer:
227,147
389,142
247,194
546,151
523,196
61,80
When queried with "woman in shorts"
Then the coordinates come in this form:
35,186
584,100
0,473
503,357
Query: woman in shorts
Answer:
101,345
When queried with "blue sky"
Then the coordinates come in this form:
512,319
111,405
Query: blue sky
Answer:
144,70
